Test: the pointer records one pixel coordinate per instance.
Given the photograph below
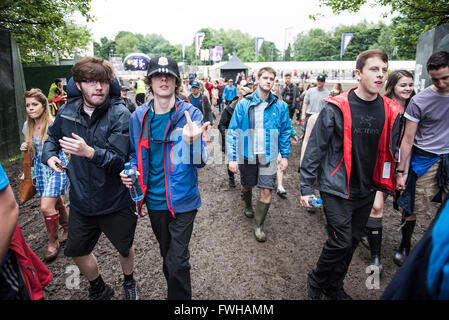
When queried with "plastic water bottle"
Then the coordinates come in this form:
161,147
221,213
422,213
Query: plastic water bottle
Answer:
315,201
135,191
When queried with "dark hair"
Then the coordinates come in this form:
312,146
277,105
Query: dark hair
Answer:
438,60
287,75
393,79
365,55
93,68
57,80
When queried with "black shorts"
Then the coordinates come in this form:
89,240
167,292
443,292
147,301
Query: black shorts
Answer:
84,231
260,174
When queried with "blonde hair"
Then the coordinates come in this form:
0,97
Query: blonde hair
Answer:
45,116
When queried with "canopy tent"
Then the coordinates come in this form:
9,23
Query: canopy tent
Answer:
234,66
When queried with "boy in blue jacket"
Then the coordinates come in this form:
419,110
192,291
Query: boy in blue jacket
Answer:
168,144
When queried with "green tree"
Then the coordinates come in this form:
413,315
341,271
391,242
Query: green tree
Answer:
104,48
365,36
42,28
316,45
432,13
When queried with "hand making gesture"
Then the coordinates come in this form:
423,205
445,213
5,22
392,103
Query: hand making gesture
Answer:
191,130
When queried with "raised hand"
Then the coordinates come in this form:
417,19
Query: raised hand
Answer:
76,146
191,130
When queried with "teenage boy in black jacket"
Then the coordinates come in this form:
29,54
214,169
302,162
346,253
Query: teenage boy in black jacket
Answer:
94,130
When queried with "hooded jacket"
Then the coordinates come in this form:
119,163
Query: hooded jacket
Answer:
277,126
181,160
328,155
33,272
95,184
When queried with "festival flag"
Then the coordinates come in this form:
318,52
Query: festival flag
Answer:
345,39
199,37
259,42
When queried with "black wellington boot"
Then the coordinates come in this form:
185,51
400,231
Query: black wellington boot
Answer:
404,247
375,244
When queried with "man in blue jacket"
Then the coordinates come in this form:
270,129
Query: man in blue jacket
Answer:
168,144
258,132
93,129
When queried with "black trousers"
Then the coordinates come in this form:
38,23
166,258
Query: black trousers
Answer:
173,235
345,222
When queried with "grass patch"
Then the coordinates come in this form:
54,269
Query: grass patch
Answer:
14,158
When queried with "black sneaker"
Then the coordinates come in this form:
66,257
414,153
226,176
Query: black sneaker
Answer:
338,294
314,293
106,293
130,289
231,183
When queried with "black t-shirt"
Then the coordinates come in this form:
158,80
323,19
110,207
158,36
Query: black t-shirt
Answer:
368,119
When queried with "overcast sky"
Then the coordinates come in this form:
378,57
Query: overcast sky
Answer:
177,21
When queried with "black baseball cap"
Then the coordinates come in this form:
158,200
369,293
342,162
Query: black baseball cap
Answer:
163,64
123,88
321,78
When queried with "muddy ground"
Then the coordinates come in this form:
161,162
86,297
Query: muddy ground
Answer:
227,262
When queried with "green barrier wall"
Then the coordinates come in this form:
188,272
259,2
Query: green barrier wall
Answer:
43,76
12,88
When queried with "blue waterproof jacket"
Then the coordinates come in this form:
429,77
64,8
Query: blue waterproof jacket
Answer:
239,137
181,160
229,93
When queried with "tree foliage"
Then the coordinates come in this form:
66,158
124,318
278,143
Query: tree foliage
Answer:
232,41
432,13
42,28
397,39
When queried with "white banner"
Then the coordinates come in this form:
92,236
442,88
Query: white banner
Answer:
199,37
259,42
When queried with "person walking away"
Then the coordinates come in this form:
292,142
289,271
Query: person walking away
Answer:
350,152
290,95
423,170
399,87
224,124
262,119
50,185
313,100
94,129
173,133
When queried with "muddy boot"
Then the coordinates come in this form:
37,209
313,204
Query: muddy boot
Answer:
404,247
247,198
259,219
375,243
52,224
63,222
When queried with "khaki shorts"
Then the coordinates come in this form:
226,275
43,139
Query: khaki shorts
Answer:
426,189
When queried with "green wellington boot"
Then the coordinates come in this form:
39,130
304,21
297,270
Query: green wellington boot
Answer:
259,219
247,198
